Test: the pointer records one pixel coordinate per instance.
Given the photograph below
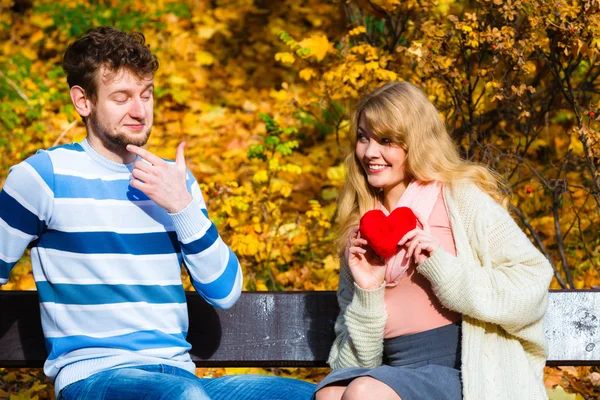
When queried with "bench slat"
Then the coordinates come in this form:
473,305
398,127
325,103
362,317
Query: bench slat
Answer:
572,327
288,329
264,329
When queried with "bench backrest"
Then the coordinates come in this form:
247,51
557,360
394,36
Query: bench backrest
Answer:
289,329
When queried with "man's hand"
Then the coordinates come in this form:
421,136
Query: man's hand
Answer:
162,182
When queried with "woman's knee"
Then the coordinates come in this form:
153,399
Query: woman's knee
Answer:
330,393
366,387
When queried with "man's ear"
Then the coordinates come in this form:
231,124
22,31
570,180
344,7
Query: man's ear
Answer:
80,101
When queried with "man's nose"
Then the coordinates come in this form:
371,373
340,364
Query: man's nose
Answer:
137,109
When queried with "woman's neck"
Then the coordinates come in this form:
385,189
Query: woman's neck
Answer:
392,195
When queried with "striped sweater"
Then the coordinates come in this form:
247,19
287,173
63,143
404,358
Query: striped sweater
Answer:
107,262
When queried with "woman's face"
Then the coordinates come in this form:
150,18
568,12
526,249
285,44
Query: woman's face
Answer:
382,161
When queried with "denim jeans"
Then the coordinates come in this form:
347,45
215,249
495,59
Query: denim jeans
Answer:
257,387
162,382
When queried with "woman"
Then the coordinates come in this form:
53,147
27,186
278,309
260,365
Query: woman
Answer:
457,312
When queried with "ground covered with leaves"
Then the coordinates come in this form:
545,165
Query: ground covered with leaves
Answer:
260,91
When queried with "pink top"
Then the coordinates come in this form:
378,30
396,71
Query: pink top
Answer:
412,306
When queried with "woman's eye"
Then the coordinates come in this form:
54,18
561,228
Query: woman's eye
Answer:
386,141
360,137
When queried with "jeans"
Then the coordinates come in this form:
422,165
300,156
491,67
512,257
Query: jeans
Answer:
163,382
257,387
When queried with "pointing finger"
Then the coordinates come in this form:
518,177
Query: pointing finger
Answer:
145,154
180,157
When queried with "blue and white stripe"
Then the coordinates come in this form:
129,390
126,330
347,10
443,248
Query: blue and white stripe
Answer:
107,261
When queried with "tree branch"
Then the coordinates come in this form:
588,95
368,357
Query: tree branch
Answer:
14,86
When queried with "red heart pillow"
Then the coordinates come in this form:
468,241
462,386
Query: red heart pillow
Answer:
383,233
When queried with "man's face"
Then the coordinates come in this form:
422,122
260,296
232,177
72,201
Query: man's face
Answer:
123,111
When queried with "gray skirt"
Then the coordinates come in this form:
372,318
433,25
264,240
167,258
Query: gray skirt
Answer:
425,365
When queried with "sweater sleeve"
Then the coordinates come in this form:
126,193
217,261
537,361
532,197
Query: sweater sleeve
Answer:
510,289
360,325
213,267
26,204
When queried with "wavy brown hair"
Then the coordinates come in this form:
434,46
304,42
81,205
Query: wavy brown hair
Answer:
108,47
403,113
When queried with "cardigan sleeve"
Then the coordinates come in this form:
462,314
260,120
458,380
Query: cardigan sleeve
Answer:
510,288
360,325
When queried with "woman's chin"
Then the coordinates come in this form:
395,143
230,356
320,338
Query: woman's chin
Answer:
376,185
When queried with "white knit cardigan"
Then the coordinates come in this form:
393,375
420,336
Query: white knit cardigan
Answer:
498,282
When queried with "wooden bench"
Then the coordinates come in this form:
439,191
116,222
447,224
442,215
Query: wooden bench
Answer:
288,329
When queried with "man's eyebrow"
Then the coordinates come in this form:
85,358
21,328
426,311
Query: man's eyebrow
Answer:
127,91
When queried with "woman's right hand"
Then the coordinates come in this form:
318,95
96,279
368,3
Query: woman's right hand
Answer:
368,269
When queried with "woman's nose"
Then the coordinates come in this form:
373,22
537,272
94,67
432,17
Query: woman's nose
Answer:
373,149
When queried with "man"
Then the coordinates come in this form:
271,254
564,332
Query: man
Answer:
109,225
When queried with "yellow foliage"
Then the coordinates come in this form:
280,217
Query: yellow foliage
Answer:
416,49
285,58
204,58
575,144
357,31
41,21
224,64
318,44
292,168
307,74
260,177
559,393
336,173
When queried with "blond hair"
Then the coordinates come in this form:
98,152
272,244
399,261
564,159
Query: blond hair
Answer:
403,113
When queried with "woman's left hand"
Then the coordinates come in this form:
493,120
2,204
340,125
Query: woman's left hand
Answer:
421,244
